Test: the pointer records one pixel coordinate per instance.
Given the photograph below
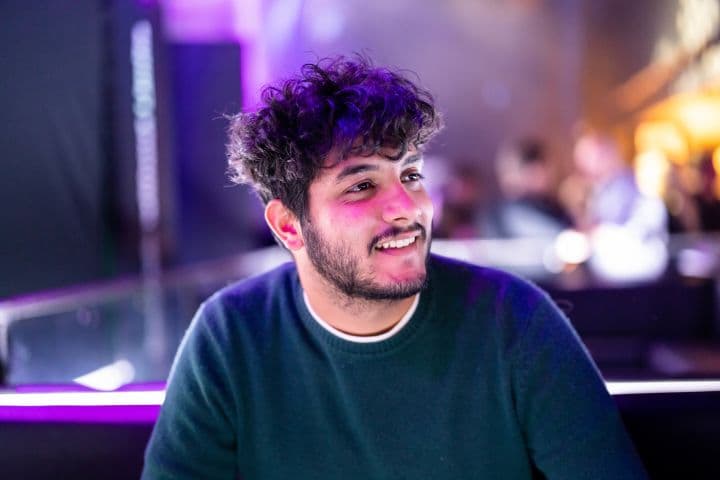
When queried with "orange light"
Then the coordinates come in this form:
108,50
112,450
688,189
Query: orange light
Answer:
651,171
664,137
695,114
700,116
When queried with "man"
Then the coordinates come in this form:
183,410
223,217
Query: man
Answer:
367,357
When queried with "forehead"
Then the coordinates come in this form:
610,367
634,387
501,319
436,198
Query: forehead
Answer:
338,168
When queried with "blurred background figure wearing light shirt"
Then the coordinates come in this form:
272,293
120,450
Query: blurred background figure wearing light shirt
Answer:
626,228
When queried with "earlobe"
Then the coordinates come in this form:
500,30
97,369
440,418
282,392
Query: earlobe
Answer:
284,225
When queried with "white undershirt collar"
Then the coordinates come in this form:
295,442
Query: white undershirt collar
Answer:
361,338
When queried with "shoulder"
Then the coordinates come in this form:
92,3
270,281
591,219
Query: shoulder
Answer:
500,301
450,275
234,319
251,302
252,292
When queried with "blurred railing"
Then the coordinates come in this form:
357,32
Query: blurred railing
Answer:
120,304
83,328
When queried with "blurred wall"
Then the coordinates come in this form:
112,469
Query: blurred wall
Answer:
68,188
499,69
620,39
54,211
214,218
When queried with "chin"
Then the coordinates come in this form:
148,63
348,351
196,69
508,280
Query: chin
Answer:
405,279
410,270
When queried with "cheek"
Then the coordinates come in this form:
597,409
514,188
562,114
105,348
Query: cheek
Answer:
426,206
331,215
347,215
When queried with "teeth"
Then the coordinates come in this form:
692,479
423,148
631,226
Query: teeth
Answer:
397,243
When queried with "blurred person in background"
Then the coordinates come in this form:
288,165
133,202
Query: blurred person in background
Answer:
705,200
367,356
528,206
461,197
627,229
692,196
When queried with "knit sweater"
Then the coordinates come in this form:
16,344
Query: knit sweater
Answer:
487,380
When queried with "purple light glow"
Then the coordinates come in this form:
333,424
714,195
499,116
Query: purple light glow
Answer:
80,414
217,21
72,404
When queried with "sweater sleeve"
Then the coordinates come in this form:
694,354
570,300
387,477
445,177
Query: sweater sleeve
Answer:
570,422
194,436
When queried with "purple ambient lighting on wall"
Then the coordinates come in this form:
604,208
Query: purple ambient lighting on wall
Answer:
221,21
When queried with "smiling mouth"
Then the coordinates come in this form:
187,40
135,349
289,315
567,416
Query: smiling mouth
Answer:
396,238
396,243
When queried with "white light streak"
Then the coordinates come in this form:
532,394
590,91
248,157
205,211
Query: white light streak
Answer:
151,398
83,399
145,124
662,386
108,378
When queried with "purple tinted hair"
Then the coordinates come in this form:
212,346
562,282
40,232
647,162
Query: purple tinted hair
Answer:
345,106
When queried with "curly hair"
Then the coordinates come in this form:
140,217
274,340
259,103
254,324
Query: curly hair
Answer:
345,106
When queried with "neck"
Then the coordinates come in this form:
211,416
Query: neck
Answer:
351,315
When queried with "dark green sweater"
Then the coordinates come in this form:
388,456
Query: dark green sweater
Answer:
486,381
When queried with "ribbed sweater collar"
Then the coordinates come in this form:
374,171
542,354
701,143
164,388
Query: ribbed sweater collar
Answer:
385,346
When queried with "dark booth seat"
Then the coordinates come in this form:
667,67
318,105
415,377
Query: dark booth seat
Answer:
676,434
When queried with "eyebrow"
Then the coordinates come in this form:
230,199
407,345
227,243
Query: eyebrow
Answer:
365,167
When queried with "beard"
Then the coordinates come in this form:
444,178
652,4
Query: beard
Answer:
340,267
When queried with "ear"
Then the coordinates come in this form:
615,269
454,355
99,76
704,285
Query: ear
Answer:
284,224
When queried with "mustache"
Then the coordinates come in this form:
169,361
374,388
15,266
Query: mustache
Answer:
395,231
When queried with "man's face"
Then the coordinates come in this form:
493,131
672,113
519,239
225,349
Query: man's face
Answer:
368,227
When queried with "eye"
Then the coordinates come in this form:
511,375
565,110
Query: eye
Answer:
360,187
412,177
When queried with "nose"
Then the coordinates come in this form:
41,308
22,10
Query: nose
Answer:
400,206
